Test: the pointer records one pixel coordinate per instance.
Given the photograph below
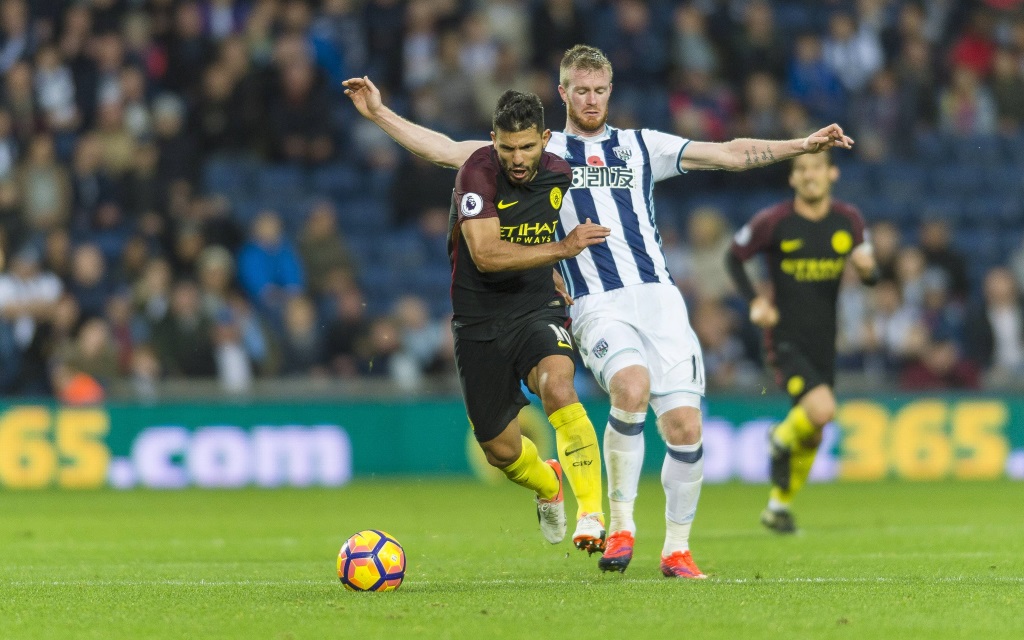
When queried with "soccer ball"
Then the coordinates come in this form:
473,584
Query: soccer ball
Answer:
371,560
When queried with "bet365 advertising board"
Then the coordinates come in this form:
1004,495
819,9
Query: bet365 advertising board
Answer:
175,445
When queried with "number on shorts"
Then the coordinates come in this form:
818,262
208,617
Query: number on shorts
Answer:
561,333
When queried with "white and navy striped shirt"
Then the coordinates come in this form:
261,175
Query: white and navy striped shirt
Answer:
613,178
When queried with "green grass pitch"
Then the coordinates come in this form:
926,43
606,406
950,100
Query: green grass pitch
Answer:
888,560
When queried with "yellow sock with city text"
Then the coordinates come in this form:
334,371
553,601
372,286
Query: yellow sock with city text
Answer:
580,456
802,437
533,473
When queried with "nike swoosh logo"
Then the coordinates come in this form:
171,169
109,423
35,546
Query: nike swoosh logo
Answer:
502,205
569,453
564,344
789,246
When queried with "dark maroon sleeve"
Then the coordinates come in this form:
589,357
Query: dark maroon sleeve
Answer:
551,162
856,221
756,235
476,186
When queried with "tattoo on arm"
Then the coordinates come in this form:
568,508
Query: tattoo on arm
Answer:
758,157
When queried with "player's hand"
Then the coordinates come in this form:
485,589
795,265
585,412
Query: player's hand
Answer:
364,94
826,138
863,258
763,313
583,236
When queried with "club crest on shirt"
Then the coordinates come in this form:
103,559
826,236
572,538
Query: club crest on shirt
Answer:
472,204
601,348
623,153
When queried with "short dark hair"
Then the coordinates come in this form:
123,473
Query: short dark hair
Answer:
824,153
518,111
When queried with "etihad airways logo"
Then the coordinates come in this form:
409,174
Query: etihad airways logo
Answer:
594,177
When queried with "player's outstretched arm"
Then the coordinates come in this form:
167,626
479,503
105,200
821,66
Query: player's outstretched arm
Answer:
490,253
747,153
426,143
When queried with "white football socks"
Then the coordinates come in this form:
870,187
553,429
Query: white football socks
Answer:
624,460
682,474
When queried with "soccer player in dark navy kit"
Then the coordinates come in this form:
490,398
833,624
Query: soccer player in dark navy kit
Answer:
807,242
510,321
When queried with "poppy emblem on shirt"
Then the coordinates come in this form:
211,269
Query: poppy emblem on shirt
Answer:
595,161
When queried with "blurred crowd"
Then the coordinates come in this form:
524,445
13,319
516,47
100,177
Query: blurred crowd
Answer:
186,192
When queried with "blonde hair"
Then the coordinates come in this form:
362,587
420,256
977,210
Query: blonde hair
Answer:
583,58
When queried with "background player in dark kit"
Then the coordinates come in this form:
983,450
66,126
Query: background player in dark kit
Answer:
807,242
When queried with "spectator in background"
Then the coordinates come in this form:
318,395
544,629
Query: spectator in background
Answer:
300,115
1008,91
17,41
995,328
223,18
339,24
813,82
90,283
268,267
555,26
189,50
420,336
28,298
19,100
177,148
55,91
44,187
91,185
345,331
152,292
183,339
854,53
761,107
942,316
691,44
975,49
10,149
419,185
506,74
452,92
708,239
885,238
935,238
10,215
724,355
301,342
93,352
321,247
756,46
878,116
940,366
894,332
910,271
966,107
478,53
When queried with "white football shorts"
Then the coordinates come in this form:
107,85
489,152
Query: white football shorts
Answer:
647,325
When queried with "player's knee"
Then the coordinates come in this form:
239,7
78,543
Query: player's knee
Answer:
557,392
681,426
500,452
821,409
630,389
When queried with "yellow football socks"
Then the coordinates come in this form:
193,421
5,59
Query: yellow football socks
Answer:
533,473
802,437
580,456
794,429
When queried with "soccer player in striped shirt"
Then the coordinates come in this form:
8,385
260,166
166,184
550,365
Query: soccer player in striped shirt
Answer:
629,319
